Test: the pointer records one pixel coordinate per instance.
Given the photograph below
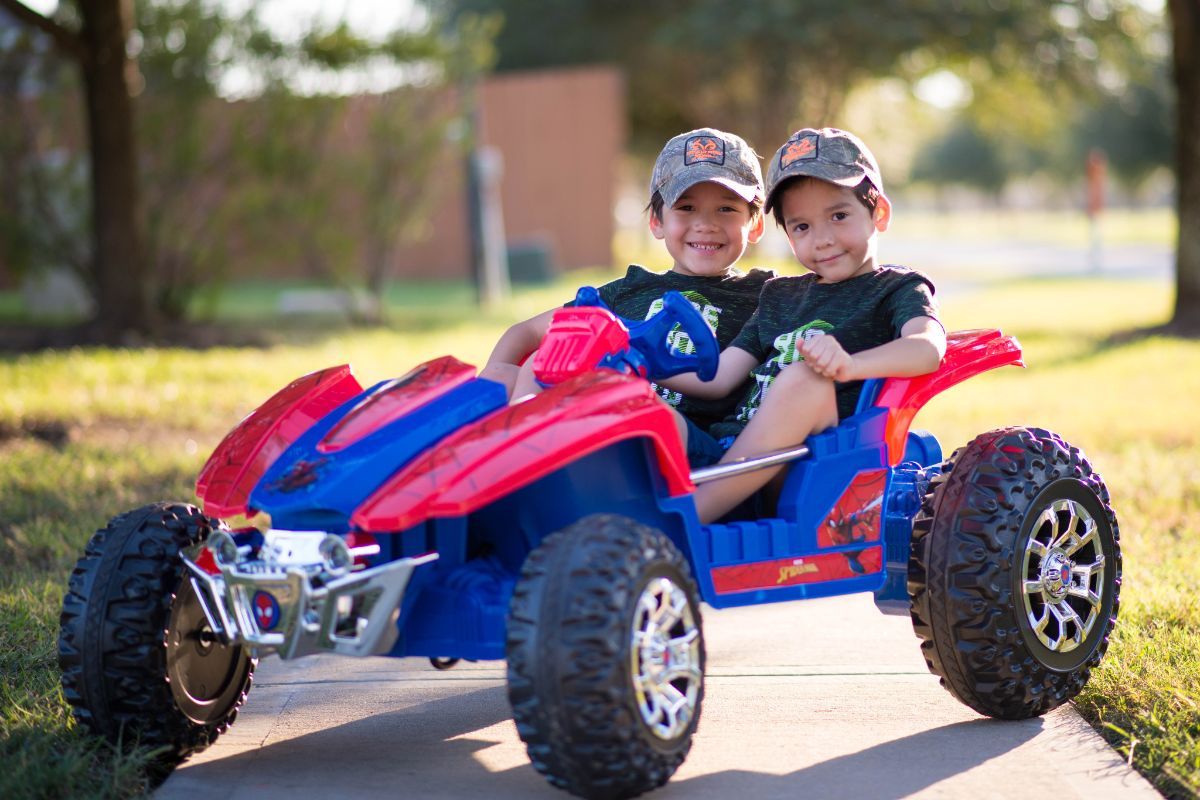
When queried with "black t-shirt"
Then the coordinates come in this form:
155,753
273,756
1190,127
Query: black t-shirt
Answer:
861,313
725,302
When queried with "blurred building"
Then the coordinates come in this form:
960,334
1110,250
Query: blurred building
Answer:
560,135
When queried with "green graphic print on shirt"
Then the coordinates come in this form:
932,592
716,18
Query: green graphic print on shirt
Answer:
679,340
861,313
785,353
725,301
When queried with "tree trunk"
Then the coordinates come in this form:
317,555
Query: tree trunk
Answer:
119,269
1185,22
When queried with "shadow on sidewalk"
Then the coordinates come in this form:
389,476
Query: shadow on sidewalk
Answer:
894,769
426,751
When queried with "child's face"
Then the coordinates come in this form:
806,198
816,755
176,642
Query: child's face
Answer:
831,232
707,229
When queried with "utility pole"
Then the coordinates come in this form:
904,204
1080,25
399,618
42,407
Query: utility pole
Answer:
484,168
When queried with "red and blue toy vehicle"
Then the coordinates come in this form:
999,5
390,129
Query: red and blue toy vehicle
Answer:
425,516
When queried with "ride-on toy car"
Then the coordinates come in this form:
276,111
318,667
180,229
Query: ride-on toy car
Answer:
426,517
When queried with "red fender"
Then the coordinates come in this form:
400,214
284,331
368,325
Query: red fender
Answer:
968,353
231,472
516,445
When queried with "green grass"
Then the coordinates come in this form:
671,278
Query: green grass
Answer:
85,434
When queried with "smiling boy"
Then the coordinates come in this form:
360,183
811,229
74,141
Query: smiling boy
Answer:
815,338
706,199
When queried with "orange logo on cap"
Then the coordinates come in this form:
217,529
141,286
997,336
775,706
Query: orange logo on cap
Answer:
702,148
798,150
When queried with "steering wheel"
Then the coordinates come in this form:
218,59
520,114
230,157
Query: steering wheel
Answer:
649,337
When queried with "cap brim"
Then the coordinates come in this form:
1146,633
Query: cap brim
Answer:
677,187
840,175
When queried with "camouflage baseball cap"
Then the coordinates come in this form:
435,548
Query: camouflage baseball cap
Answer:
706,154
830,154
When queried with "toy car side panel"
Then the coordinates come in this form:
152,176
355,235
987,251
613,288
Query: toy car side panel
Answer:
827,538
968,353
244,454
518,444
459,606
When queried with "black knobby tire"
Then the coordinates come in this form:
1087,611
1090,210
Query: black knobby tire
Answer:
985,585
139,664
572,665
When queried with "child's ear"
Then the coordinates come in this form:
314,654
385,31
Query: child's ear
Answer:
756,228
656,226
883,213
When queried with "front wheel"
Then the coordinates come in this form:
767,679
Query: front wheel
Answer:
1015,574
606,658
140,663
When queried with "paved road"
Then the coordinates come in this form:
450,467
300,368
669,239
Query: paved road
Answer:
812,699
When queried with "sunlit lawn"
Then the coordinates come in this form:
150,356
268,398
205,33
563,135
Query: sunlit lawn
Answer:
85,434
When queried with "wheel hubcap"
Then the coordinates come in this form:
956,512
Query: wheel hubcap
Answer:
1064,576
665,656
206,676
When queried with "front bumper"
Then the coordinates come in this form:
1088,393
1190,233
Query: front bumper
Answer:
296,610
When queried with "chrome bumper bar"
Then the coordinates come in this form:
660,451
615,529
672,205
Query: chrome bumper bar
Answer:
278,609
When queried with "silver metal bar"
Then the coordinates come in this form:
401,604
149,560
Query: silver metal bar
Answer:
207,590
748,464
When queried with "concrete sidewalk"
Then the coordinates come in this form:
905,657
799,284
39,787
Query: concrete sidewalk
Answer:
812,699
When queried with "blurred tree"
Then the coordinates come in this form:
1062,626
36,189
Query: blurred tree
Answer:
962,156
215,175
96,41
1185,30
765,67
1132,126
293,210
42,185
343,211
1050,130
193,152
406,133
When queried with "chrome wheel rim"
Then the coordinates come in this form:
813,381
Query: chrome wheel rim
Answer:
1064,574
665,656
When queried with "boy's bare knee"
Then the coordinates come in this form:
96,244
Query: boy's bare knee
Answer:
800,377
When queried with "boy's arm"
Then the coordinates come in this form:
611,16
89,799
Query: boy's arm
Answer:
514,345
734,366
919,350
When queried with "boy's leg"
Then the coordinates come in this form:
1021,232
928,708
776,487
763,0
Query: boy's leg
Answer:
800,402
701,448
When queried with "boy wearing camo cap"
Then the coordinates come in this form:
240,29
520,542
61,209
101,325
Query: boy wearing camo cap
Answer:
815,338
706,196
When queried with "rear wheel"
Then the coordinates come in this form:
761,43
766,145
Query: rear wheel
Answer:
1015,573
606,658
140,662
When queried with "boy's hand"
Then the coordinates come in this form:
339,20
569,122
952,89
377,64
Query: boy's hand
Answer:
825,356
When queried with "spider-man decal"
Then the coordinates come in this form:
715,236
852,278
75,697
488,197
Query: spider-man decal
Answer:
301,474
781,572
393,399
856,515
